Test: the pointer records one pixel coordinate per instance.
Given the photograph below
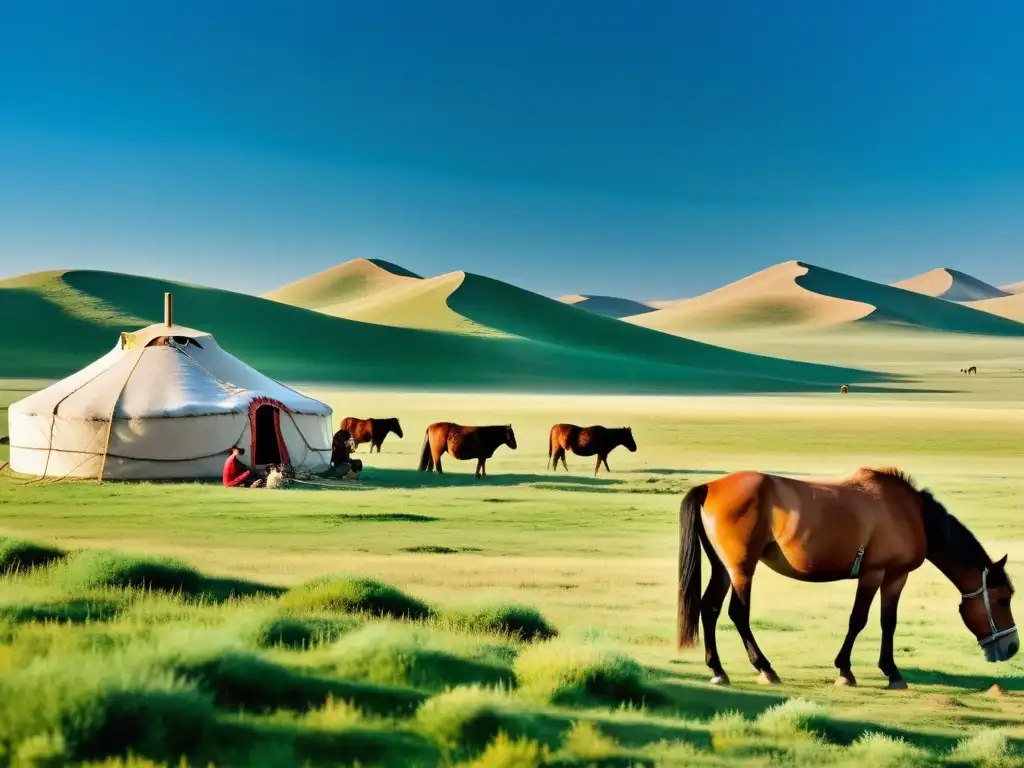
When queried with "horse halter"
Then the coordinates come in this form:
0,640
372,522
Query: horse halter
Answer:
983,593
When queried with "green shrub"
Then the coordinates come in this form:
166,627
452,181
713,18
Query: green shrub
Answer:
390,655
300,633
567,673
354,595
517,620
100,568
20,556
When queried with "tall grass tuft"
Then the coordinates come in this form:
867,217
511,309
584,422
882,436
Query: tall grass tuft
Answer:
393,655
989,748
572,673
67,711
355,595
518,621
504,752
18,556
464,720
300,633
92,569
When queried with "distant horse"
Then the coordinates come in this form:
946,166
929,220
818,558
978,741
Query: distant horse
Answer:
973,369
372,431
844,389
587,441
462,443
872,525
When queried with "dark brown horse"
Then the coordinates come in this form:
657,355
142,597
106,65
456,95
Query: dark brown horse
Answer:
372,431
587,441
461,442
873,525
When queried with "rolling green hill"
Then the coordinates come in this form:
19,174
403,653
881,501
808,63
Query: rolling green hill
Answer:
57,322
796,294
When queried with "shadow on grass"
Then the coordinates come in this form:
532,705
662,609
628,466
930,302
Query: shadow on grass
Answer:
63,612
971,683
638,733
242,681
702,702
249,743
410,478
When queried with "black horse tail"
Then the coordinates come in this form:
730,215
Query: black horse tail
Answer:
691,532
425,457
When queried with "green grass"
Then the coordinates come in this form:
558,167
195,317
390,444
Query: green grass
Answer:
526,619
546,346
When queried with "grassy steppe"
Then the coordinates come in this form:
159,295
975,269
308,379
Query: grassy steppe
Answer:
264,675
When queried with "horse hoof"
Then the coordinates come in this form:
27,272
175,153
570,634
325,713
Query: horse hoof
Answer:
846,680
722,679
897,685
768,678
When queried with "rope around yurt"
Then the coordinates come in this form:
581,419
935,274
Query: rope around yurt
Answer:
110,419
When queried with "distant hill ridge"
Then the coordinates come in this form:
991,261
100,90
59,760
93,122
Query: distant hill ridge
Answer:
951,285
609,306
350,281
65,320
798,294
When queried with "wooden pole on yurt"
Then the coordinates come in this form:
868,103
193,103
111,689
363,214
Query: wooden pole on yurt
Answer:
168,309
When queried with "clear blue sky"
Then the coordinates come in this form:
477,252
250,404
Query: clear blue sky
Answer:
646,149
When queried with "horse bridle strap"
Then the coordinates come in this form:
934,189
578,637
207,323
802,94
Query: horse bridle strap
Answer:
983,593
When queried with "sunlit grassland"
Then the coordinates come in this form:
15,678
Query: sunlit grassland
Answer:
595,556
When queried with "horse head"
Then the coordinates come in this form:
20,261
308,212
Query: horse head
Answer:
628,441
510,437
396,427
986,613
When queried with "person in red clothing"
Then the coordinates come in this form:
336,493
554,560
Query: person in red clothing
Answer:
236,474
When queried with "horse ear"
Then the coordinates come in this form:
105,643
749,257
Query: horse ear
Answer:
1000,564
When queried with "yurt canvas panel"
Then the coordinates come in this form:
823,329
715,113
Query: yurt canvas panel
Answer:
177,412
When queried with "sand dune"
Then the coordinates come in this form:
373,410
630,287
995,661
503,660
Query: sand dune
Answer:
609,306
1013,288
350,281
532,343
770,297
1010,307
799,295
951,285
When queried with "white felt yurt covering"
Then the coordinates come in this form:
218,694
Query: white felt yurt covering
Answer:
165,403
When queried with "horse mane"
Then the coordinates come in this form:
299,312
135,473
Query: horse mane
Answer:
945,532
900,475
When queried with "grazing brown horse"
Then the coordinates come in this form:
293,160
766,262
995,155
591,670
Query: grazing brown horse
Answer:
872,525
461,442
372,431
587,441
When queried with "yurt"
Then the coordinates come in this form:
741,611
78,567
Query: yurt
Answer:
165,403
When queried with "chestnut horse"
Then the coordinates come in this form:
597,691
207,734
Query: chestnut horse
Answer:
873,525
461,442
587,441
372,431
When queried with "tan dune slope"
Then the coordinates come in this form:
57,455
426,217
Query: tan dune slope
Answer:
951,285
1011,307
353,280
1013,288
769,297
412,304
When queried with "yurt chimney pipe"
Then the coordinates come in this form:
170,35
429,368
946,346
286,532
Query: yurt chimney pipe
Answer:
168,309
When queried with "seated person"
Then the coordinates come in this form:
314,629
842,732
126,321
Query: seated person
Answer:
341,452
236,474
